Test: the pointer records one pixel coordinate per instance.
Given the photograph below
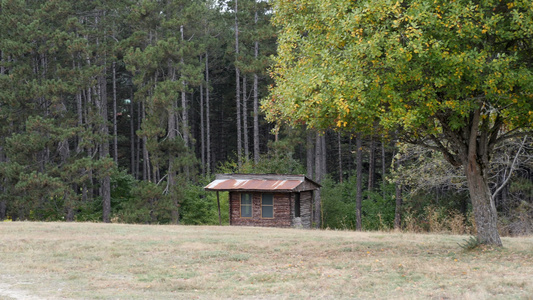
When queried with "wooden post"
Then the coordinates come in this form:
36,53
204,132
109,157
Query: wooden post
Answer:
219,216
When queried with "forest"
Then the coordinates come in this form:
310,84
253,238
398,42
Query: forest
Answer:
122,111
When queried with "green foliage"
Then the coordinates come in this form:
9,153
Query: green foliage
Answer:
338,206
452,76
200,207
346,64
470,244
89,211
148,205
278,160
338,203
377,211
57,63
122,185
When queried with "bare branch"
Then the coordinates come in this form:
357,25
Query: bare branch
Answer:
511,168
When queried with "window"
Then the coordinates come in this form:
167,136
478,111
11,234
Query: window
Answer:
297,205
267,206
246,205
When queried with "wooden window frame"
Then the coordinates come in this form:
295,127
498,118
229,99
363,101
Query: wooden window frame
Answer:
251,205
270,205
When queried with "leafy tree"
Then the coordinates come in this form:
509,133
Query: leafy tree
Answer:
451,76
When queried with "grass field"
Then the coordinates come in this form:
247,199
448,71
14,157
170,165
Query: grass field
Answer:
116,261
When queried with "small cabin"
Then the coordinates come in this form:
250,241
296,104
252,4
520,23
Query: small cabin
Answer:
270,200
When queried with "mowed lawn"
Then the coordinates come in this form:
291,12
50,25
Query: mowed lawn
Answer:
118,261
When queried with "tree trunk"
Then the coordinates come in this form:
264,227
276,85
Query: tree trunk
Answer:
398,209
245,119
256,98
132,136
115,135
207,114
310,154
398,193
482,204
3,203
238,88
146,156
323,159
319,175
104,151
202,128
172,129
383,167
2,68
140,142
339,155
371,164
3,208
256,121
185,114
359,182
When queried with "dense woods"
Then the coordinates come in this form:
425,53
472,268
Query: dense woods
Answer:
123,110
119,106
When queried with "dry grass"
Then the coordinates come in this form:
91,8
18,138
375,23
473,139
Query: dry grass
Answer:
114,261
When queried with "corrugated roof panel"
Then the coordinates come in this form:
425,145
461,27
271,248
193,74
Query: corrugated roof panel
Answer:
253,185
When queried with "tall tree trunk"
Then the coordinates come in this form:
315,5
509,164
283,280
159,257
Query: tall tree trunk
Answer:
2,65
256,94
371,164
202,129
87,191
359,181
104,151
140,141
207,114
115,135
63,149
238,87
132,136
474,156
245,119
3,202
398,208
383,167
323,159
172,129
319,175
310,154
146,157
3,208
397,192
256,119
482,203
79,109
339,153
185,113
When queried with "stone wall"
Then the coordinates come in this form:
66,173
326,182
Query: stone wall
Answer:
306,208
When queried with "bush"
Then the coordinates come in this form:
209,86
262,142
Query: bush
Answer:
378,212
200,207
339,204
438,220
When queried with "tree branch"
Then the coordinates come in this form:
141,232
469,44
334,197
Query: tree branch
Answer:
511,168
512,134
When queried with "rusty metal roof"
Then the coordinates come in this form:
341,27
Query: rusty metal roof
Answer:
262,182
